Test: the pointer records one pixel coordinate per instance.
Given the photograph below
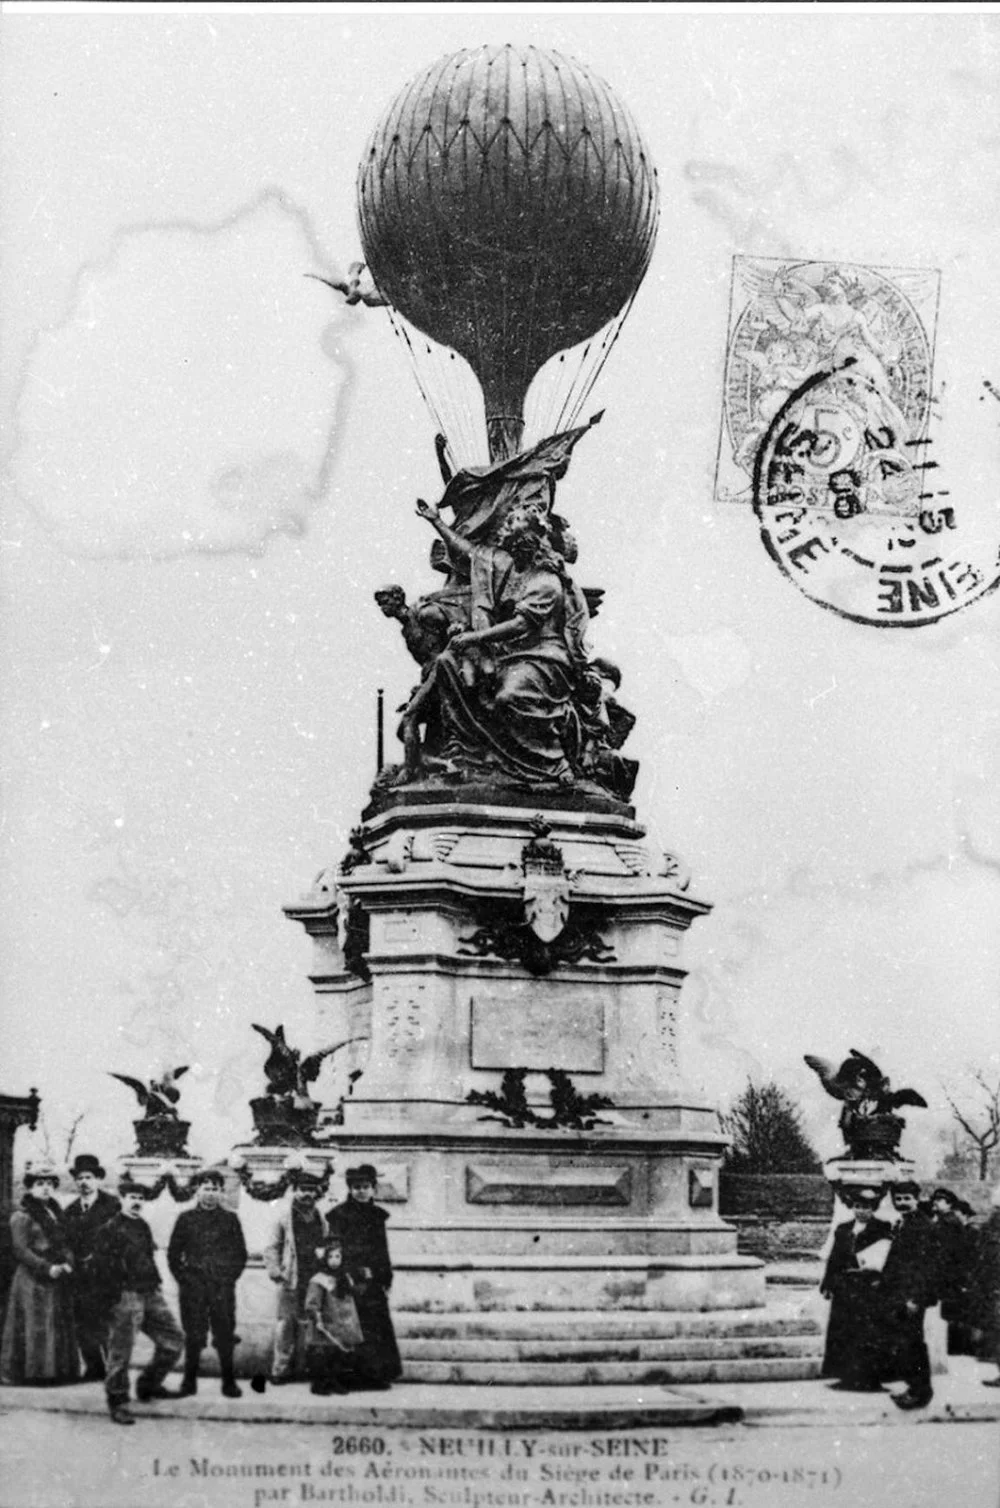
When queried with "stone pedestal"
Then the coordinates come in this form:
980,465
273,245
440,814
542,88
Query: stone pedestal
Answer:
161,1212
873,1172
467,942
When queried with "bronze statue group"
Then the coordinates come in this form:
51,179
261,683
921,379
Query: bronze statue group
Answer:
881,1278
86,1283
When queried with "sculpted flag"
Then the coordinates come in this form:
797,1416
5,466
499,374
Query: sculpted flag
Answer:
480,495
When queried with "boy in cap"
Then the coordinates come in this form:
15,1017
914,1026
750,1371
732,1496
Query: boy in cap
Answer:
850,1282
359,1224
125,1262
290,1259
83,1217
206,1254
909,1287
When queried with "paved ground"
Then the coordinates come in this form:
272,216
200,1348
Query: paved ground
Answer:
744,1445
959,1396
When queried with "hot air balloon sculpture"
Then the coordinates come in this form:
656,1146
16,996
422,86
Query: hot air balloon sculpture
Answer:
500,911
508,212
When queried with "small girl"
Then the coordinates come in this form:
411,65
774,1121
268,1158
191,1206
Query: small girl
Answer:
333,1333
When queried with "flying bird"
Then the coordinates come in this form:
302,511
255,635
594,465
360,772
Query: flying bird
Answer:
352,289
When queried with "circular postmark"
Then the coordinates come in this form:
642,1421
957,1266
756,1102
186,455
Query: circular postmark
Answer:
852,507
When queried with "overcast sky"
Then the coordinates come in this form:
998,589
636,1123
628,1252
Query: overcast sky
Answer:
210,467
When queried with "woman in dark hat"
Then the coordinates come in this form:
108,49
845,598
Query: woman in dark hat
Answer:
39,1341
851,1283
84,1217
359,1224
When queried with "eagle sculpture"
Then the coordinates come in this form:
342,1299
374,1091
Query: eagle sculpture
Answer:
868,1122
286,1070
159,1097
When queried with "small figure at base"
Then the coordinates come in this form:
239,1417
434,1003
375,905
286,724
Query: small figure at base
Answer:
985,1290
39,1340
908,1288
851,1282
83,1218
359,1223
335,1336
290,1260
124,1259
206,1254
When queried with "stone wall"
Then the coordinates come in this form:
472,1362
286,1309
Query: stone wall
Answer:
779,1217
785,1217
775,1196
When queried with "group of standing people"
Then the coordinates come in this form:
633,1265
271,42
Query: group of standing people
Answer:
333,1272
86,1283
881,1277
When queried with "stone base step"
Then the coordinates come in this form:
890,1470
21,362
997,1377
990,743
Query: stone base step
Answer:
553,1348
590,1374
615,1325
609,1352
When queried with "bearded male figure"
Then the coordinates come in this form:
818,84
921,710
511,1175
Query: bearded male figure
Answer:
501,693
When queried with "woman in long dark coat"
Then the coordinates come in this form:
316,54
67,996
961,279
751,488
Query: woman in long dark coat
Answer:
986,1290
360,1226
854,1338
39,1340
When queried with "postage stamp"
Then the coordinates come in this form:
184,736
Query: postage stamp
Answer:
828,431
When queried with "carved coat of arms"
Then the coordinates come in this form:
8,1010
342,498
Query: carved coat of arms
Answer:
546,884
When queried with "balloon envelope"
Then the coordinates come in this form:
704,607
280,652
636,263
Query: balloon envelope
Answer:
508,209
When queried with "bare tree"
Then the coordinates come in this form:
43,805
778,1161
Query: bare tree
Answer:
981,1124
47,1136
71,1134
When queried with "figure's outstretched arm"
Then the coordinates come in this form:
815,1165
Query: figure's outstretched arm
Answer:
441,447
454,541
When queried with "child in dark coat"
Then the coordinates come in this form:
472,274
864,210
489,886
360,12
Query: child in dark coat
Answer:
334,1336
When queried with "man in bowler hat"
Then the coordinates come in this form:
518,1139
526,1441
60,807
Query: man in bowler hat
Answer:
83,1217
909,1286
359,1224
206,1254
124,1258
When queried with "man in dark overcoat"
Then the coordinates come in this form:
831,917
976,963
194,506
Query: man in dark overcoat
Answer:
853,1351
956,1256
910,1285
206,1254
83,1218
360,1224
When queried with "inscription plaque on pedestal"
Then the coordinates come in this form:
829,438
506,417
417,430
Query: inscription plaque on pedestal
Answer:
516,1034
530,1183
